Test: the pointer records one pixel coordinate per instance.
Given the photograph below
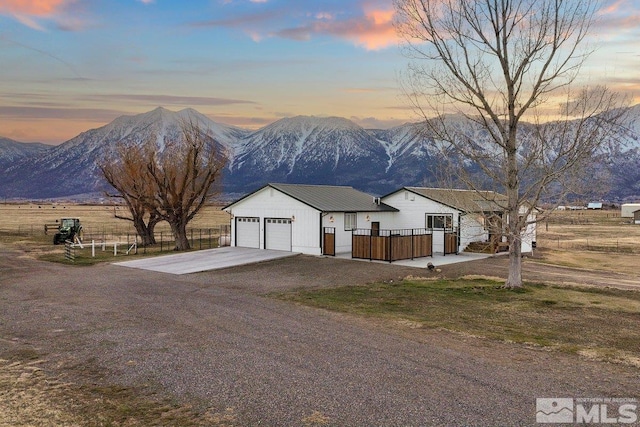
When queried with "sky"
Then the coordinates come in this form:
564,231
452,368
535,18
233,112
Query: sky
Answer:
67,66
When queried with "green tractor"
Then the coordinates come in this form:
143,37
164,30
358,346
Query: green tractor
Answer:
69,229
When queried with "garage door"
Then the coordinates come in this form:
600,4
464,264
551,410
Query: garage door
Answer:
278,234
248,232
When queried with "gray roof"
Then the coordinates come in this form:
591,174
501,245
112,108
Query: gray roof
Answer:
464,200
329,198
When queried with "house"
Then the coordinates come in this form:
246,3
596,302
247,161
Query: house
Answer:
594,205
627,209
473,216
408,223
311,219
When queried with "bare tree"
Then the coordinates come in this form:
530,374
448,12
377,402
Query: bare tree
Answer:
182,178
123,168
497,63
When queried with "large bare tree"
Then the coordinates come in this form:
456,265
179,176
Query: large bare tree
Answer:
167,182
123,170
495,64
183,178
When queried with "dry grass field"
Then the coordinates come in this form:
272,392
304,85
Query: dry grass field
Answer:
96,219
596,240
22,226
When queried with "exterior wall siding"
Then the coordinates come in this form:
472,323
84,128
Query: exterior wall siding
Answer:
529,234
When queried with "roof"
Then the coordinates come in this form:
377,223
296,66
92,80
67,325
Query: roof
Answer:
328,198
463,200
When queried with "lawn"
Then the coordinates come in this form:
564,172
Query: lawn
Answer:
597,323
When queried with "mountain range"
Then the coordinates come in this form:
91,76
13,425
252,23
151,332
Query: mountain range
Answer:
312,150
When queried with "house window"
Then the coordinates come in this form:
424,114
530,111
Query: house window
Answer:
439,221
350,222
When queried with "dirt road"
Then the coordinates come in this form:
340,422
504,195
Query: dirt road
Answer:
215,341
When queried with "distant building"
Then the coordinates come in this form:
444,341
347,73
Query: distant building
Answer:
594,205
627,209
636,217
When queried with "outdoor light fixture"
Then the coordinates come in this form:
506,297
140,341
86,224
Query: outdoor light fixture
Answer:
331,218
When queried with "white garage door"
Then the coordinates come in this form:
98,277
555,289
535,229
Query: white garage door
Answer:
278,234
248,232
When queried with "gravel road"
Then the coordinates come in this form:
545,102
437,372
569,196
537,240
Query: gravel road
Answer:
214,339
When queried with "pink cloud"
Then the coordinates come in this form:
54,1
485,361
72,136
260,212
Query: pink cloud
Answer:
31,12
374,30
38,8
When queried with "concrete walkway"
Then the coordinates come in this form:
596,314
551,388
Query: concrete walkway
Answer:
205,260
437,260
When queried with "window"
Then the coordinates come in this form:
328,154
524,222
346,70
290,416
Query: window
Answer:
350,222
439,221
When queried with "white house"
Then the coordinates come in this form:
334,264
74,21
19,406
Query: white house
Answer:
311,219
474,216
320,219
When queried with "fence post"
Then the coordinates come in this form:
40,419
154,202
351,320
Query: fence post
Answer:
412,250
115,248
192,238
200,239
161,241
93,249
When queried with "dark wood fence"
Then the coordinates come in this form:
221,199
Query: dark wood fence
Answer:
329,241
451,242
391,245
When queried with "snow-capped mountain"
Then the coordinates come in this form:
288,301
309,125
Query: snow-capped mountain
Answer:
328,150
73,167
308,150
13,151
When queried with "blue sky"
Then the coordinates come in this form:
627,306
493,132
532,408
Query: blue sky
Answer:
72,65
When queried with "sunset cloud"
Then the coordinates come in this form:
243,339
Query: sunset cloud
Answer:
38,8
31,12
368,25
616,15
373,30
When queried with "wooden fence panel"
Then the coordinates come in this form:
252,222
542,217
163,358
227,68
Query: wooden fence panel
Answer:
329,241
422,245
392,245
361,246
450,243
380,248
401,247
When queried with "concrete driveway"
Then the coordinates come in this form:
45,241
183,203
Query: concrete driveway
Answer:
205,260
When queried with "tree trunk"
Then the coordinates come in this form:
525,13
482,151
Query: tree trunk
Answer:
180,234
515,263
145,231
513,207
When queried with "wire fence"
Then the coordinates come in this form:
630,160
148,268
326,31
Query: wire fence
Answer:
615,245
126,237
